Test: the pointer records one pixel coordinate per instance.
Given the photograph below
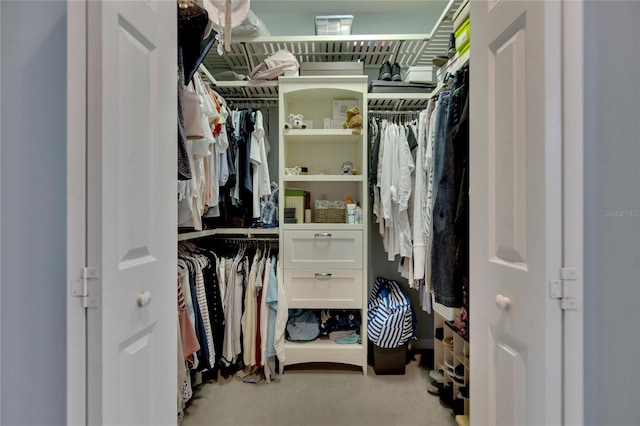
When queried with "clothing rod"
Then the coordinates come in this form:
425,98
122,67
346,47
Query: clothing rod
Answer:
383,112
249,100
241,238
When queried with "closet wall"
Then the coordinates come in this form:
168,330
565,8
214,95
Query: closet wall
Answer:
33,213
611,243
371,17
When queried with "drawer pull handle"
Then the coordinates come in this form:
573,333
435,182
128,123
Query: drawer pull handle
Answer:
323,234
324,275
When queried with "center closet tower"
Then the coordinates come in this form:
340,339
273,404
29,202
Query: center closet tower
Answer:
324,258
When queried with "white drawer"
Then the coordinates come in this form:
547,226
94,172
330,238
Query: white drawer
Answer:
323,249
323,289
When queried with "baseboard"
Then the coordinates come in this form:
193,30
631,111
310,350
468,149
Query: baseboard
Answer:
422,344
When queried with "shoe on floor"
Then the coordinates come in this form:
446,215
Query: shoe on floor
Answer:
437,375
385,72
395,72
432,387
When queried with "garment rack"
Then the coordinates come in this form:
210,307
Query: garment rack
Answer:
250,102
396,115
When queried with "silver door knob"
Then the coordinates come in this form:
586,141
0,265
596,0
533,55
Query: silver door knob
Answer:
144,299
503,302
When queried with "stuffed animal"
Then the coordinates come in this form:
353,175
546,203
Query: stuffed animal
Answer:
295,122
354,120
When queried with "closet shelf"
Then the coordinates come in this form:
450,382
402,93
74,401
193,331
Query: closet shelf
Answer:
231,232
438,42
373,50
323,178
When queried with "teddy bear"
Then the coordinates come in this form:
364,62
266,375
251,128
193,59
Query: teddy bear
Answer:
295,122
354,120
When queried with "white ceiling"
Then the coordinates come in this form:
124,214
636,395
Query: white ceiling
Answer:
332,7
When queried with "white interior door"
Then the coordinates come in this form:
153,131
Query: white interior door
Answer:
131,232
515,225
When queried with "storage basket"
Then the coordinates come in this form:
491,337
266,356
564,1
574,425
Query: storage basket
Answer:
330,215
328,211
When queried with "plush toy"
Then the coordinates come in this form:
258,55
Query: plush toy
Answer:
295,122
354,120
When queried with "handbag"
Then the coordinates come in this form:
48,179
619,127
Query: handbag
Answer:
303,325
192,119
391,321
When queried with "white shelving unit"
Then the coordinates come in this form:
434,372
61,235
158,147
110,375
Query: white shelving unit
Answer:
324,264
451,353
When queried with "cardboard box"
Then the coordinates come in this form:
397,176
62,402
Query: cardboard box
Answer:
463,37
421,74
461,15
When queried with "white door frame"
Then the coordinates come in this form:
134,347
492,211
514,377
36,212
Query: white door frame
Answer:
0,211
76,208
573,332
573,209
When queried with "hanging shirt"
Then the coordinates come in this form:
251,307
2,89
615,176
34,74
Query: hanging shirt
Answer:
259,165
249,314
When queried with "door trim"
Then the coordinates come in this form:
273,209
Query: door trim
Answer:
573,207
76,208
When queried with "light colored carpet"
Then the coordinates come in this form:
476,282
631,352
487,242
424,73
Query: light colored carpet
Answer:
324,395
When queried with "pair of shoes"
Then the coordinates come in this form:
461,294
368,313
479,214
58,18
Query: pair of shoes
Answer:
433,386
437,376
389,72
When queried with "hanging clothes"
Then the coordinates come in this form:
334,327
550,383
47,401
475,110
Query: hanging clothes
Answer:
395,190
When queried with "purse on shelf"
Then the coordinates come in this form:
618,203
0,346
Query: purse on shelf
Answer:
303,325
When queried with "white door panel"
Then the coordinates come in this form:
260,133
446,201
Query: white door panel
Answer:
515,225
132,211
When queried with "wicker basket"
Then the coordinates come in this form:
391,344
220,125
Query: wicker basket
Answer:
330,215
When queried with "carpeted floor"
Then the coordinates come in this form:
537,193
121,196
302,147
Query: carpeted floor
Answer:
323,395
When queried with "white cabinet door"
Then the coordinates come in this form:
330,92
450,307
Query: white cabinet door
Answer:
131,233
515,221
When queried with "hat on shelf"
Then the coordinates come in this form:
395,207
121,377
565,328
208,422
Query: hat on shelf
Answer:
218,9
226,14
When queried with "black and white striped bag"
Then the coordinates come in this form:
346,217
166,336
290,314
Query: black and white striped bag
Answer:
390,318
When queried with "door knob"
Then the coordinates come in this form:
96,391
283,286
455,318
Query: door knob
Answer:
144,299
503,302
